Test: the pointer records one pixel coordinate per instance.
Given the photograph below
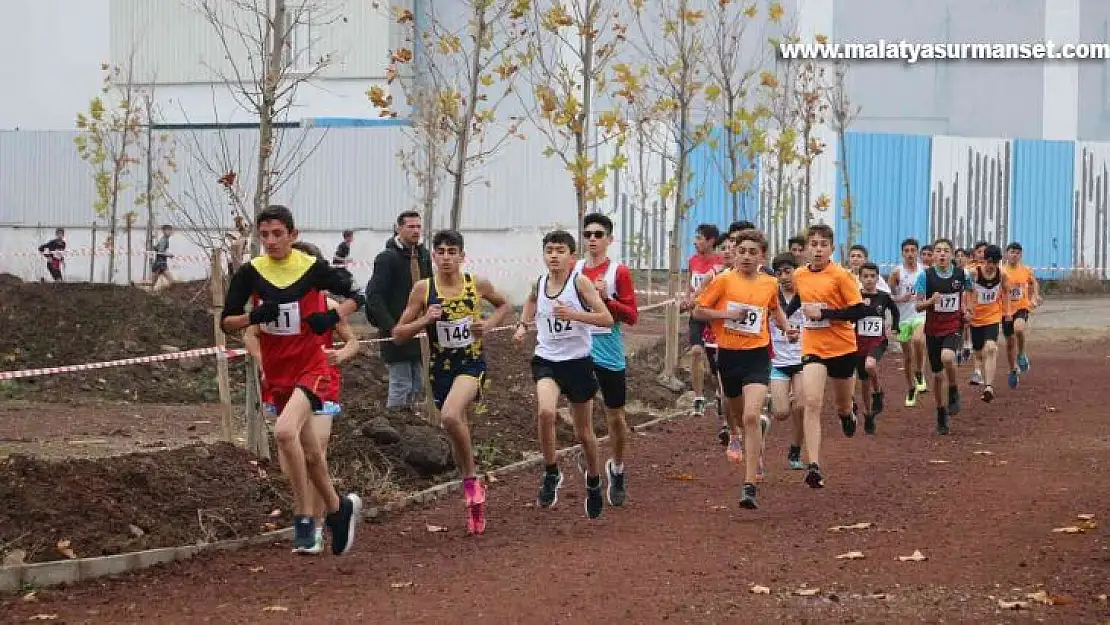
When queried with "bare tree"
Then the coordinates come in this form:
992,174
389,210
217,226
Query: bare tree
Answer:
674,49
811,109
160,153
842,114
569,70
457,70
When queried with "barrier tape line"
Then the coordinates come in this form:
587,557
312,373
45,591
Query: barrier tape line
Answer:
219,352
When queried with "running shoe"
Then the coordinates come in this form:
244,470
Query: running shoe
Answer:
911,397
549,489
699,406
475,495
723,435
953,400
343,523
747,498
868,424
855,406
988,394
976,378
1023,362
921,386
616,494
304,534
593,499
720,405
813,476
1013,379
735,451
794,458
318,547
965,353
942,422
764,428
848,424
876,403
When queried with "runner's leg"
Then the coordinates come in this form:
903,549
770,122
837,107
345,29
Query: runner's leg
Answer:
453,419
614,390
582,415
989,357
797,416
321,429
920,353
547,399
750,404
814,375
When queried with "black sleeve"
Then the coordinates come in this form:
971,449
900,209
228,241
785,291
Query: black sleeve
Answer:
793,306
335,280
851,313
239,291
376,289
42,248
895,316
343,250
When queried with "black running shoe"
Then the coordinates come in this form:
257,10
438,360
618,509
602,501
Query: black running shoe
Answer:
848,424
723,435
988,394
343,523
942,422
953,400
876,403
869,424
813,476
616,493
747,499
593,498
794,458
549,489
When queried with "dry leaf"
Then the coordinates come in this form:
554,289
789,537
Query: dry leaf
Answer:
720,507
62,547
1104,598
877,595
257,569
275,513
1042,596
916,556
435,528
855,526
31,596
15,557
760,590
491,478
275,608
983,452
1013,605
269,527
400,584
938,462
807,592
1085,517
43,617
1071,529
683,477
851,555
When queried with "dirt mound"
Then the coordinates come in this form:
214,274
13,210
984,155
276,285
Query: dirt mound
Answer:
7,279
170,498
48,325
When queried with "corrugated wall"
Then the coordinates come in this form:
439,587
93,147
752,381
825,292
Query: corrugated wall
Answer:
970,182
1090,227
890,185
709,191
1041,208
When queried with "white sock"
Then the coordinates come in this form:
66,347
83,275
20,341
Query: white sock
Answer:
617,468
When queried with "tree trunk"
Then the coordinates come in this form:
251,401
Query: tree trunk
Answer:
582,134
670,358
807,190
462,148
849,217
149,182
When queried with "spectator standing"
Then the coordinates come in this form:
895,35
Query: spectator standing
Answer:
54,252
342,256
160,268
402,263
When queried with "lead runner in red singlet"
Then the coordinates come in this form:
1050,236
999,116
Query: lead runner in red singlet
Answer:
285,287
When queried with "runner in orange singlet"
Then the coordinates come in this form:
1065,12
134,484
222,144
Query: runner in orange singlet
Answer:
1025,296
990,306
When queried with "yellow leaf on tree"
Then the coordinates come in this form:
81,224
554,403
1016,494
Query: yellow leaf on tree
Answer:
775,12
486,80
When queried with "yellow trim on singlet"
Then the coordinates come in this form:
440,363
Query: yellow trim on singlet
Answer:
285,272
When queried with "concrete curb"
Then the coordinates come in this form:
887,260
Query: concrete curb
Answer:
44,574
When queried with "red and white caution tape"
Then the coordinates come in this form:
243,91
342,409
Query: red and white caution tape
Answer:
219,352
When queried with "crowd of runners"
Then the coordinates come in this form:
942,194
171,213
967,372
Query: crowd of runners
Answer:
772,332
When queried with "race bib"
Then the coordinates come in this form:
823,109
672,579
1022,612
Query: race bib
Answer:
870,326
816,323
559,329
947,303
455,334
987,296
288,322
1015,293
697,280
750,321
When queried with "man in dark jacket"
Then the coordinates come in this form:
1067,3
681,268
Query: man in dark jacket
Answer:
387,293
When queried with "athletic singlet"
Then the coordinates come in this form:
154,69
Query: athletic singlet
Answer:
906,281
702,269
453,342
988,299
610,283
943,317
560,339
785,353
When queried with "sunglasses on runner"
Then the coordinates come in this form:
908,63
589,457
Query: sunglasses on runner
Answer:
594,234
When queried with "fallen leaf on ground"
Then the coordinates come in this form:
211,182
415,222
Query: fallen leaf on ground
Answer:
435,528
720,507
15,557
851,555
400,584
983,452
491,478
31,596
257,569
807,592
938,462
1051,408
275,608
1071,529
1085,517
877,595
1104,597
760,590
1043,597
136,531
1013,605
916,556
43,617
269,527
275,513
855,526
63,548
684,477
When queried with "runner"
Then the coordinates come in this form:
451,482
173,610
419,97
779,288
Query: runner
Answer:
786,363
613,281
1025,297
871,342
927,256
704,264
943,292
857,258
963,261
798,249
448,307
975,261
726,422
322,421
911,334
738,304
563,303
990,308
285,287
830,299
54,251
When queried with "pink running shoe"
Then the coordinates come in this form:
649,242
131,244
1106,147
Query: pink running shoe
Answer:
735,451
475,506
